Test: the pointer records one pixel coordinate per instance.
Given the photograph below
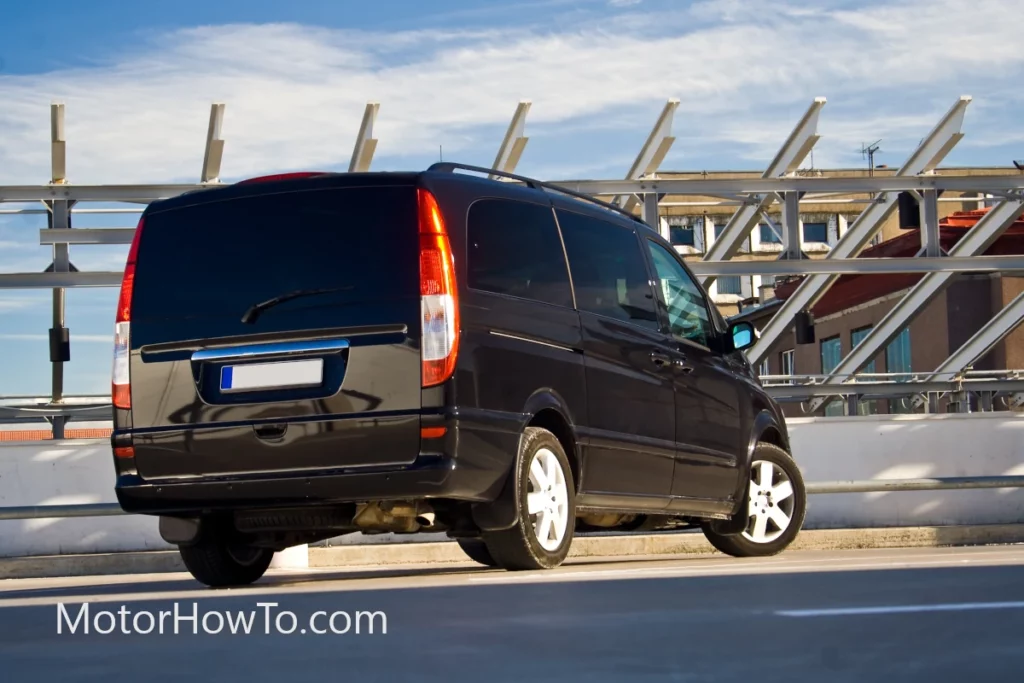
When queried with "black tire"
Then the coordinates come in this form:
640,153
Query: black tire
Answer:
477,551
740,545
518,548
219,561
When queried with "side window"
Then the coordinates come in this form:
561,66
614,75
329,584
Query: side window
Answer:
513,248
687,309
608,269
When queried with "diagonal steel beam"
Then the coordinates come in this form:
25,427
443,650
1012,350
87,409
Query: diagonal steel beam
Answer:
981,342
514,143
652,153
788,159
924,159
976,241
366,144
214,153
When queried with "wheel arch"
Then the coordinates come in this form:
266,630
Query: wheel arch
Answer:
765,428
547,410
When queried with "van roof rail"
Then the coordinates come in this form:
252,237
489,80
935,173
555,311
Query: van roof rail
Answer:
451,167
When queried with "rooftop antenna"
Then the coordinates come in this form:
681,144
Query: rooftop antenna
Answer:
869,152
440,153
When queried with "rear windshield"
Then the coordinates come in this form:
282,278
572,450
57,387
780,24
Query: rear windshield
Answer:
219,258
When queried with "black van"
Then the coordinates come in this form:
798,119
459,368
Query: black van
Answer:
308,355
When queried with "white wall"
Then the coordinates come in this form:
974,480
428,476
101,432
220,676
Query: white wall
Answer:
64,473
907,447
870,447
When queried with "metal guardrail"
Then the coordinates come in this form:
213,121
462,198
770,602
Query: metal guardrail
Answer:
928,484
61,511
813,488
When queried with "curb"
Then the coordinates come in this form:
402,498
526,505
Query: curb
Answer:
642,545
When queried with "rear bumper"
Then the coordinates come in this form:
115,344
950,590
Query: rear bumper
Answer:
473,468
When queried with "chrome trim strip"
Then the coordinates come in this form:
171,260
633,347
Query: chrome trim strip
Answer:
275,349
532,341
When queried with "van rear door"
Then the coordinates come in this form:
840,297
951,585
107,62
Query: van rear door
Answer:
324,375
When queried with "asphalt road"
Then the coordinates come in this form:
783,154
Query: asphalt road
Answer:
875,615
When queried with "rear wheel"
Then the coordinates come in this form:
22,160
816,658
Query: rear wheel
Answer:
218,560
477,551
546,502
775,509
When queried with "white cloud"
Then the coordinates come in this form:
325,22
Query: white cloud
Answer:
9,304
623,3
744,71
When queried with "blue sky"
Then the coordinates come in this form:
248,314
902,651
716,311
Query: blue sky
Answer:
138,79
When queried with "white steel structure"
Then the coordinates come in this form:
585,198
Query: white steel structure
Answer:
779,184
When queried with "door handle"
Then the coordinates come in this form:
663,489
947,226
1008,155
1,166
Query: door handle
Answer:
680,364
660,359
683,366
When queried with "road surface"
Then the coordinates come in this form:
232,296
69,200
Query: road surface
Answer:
874,615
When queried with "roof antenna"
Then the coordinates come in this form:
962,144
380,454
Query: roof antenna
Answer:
440,153
869,151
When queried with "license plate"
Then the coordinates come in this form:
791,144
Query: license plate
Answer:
279,375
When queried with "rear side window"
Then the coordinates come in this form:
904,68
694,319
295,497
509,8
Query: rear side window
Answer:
609,272
216,259
514,249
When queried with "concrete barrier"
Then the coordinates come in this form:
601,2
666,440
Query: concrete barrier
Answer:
827,449
910,446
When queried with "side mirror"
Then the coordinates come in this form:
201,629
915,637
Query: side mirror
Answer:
743,335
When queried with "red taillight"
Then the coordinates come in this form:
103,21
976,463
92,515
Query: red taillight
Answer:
439,305
280,176
121,395
124,301
124,452
432,432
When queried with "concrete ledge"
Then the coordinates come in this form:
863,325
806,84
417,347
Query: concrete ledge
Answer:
51,566
641,545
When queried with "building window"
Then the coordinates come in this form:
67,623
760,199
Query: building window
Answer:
897,355
816,232
897,361
682,236
856,337
831,354
787,363
768,235
720,228
763,370
730,284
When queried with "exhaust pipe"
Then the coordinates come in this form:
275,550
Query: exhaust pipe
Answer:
425,519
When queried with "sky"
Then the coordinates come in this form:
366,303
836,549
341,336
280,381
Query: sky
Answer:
137,81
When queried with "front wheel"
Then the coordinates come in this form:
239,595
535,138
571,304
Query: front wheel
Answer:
546,502
775,508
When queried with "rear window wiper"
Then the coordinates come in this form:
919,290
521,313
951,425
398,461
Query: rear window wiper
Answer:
256,310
